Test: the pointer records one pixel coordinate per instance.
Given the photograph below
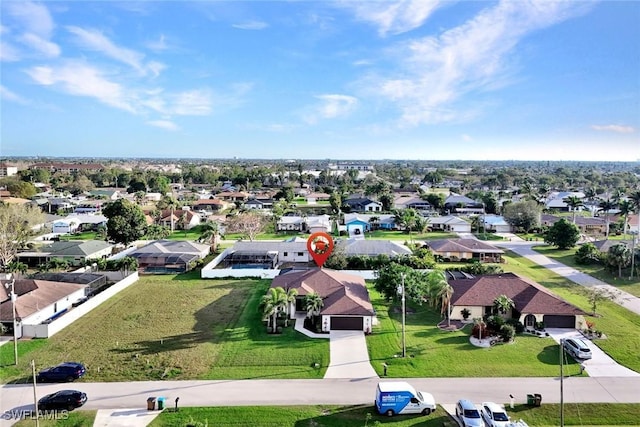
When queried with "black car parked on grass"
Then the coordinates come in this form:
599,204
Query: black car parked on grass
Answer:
63,399
67,371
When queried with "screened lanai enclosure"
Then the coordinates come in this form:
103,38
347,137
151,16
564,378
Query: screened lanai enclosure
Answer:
250,259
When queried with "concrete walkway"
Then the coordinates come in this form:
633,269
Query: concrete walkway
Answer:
135,417
526,250
349,356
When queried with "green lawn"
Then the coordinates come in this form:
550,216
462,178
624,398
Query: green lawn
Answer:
583,414
175,327
598,271
430,349
575,414
620,325
84,235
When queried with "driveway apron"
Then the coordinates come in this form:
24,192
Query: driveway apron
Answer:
349,356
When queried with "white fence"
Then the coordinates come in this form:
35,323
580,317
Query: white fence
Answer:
48,330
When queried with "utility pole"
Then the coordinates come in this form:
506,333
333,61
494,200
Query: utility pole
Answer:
14,298
35,395
561,383
402,293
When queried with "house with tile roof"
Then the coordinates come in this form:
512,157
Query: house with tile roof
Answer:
346,303
465,250
449,223
169,256
533,302
372,248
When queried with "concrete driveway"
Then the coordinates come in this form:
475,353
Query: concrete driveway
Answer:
600,364
349,356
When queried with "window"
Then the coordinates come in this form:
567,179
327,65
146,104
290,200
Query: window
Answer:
300,253
285,254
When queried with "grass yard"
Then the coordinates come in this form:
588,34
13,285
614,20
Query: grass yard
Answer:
401,235
430,349
584,414
598,271
176,327
74,419
621,326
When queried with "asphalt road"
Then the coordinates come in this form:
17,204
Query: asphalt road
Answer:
326,391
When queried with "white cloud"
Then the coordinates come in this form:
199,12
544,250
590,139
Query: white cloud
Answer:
467,138
8,52
394,17
8,95
158,45
331,106
191,103
83,80
164,124
435,72
614,128
251,25
34,17
45,47
95,40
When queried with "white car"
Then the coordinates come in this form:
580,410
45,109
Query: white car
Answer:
494,415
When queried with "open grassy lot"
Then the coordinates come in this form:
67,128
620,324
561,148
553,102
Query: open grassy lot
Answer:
363,415
621,327
567,257
177,327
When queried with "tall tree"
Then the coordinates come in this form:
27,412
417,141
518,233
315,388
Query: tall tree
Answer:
271,304
573,203
313,304
126,222
523,215
248,223
635,199
619,256
168,202
626,209
563,234
445,294
503,304
606,206
209,232
16,225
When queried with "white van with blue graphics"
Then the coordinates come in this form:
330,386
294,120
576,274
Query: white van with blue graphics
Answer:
399,397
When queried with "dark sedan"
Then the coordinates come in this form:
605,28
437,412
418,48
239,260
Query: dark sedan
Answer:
67,371
64,399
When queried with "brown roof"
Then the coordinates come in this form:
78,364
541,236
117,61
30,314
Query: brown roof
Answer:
33,295
342,294
529,297
203,202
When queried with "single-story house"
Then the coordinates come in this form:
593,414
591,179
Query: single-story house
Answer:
362,204
182,219
587,225
556,200
259,204
292,223
319,223
313,198
267,254
370,221
169,256
496,224
533,302
449,223
346,303
211,205
412,202
233,196
65,225
465,249
74,252
462,204
372,248
36,301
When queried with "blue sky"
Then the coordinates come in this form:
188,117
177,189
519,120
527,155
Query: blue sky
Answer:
477,80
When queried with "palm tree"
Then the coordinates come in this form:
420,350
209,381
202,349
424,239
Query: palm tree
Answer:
436,281
17,267
209,232
168,202
313,304
139,197
445,294
373,221
626,208
606,206
290,297
503,304
573,203
619,256
272,303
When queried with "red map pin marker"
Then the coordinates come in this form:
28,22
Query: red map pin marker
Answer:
320,246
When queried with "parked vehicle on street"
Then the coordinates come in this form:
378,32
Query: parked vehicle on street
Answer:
494,415
399,397
577,348
64,372
63,399
468,415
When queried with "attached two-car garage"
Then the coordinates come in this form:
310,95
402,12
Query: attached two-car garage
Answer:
559,321
347,323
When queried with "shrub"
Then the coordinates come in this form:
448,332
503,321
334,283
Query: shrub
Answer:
494,323
519,327
507,333
465,313
588,254
479,329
